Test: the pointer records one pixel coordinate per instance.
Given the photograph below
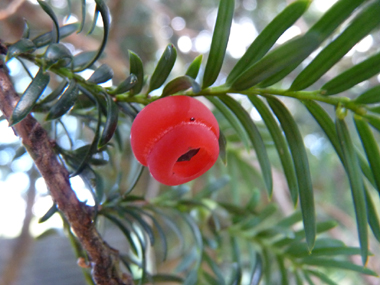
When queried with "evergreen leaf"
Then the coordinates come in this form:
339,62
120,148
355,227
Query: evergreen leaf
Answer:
319,32
281,146
104,11
181,83
219,42
111,121
47,38
354,75
373,218
19,47
301,165
163,68
352,167
65,102
330,263
193,69
371,148
360,27
276,61
29,98
48,10
255,138
371,96
232,119
102,74
136,68
268,37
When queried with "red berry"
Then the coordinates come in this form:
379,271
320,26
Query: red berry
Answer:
177,138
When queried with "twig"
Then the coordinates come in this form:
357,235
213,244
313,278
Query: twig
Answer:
104,259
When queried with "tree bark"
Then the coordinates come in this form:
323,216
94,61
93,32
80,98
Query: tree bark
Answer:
103,259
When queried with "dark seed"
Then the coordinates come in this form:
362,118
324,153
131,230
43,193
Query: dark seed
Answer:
188,155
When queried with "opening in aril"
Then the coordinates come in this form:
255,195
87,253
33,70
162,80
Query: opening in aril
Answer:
188,155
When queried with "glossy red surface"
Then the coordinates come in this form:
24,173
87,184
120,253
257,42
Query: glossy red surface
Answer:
164,132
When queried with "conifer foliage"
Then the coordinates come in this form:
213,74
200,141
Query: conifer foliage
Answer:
221,232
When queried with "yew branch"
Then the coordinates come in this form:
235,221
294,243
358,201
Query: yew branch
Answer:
104,259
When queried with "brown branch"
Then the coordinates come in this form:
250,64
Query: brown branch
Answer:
104,259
